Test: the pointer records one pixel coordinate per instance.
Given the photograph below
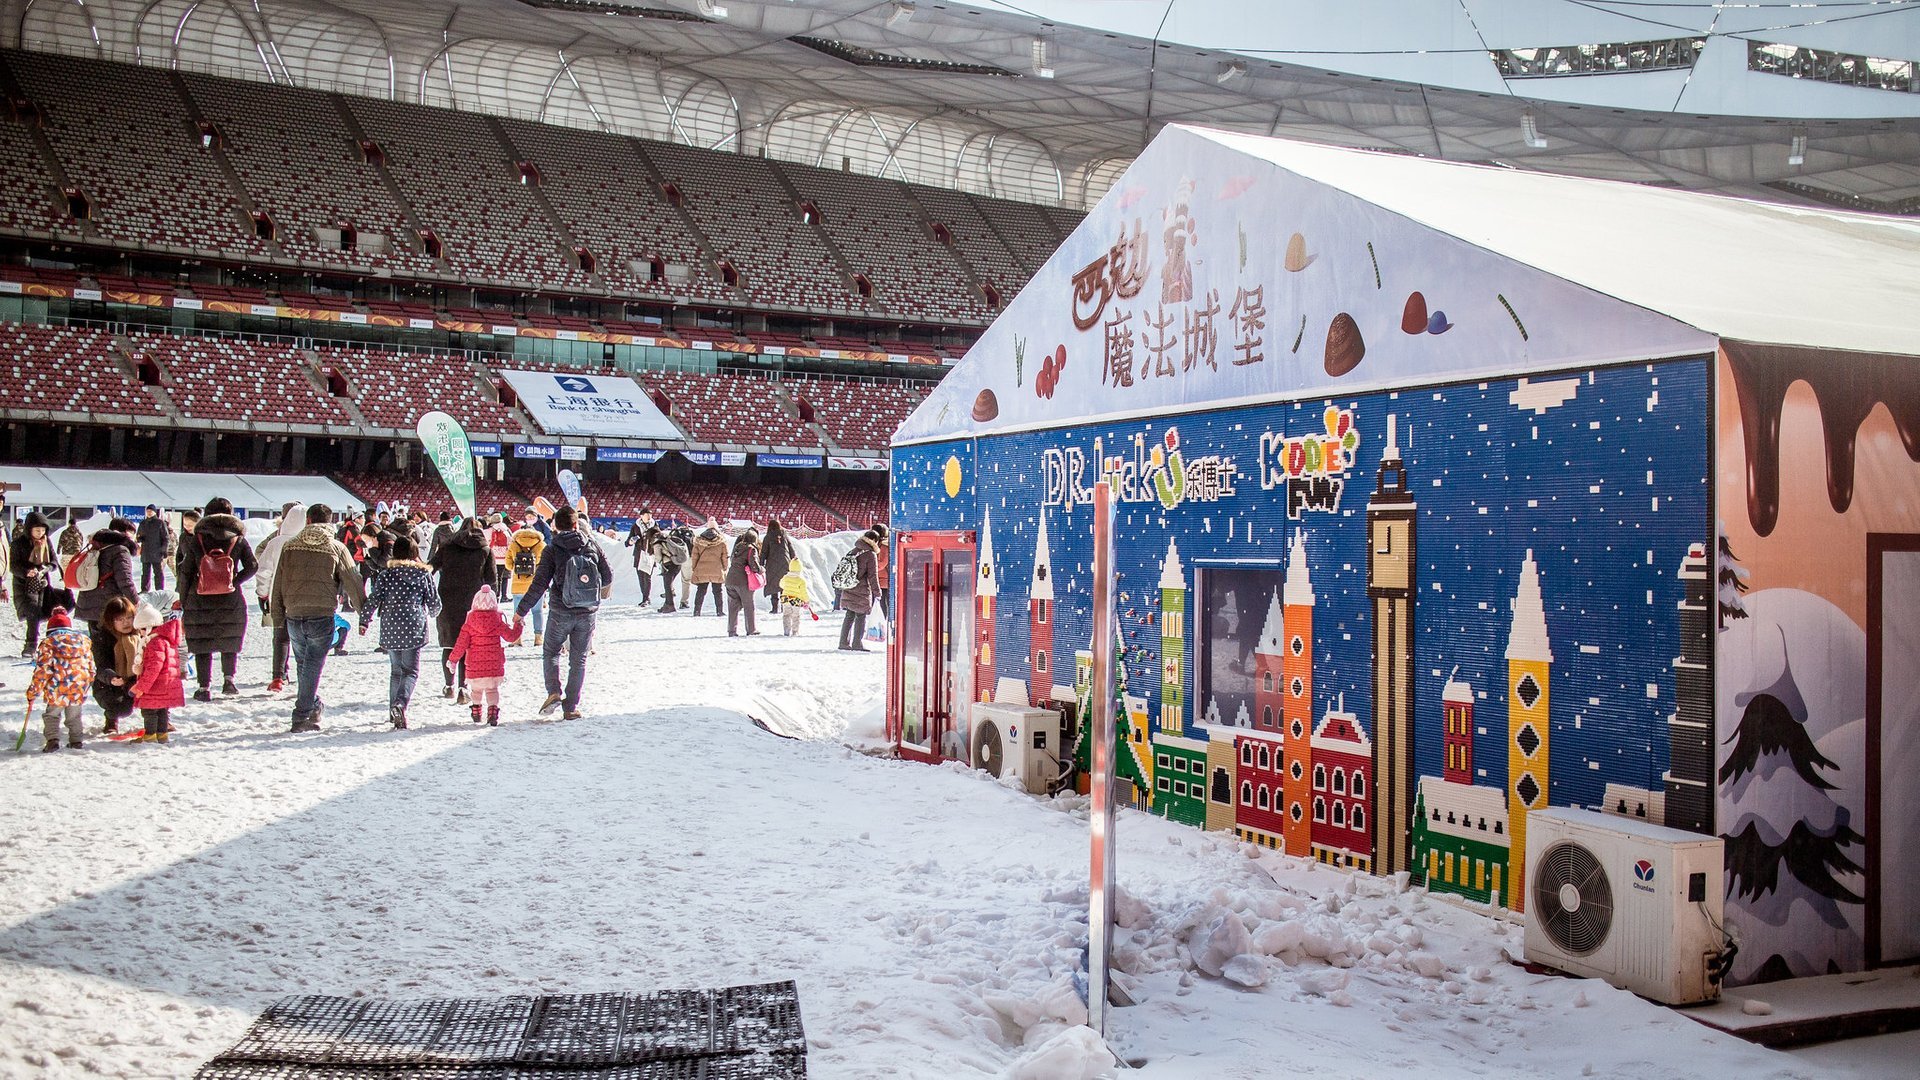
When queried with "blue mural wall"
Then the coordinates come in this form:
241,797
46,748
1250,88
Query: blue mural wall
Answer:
1602,475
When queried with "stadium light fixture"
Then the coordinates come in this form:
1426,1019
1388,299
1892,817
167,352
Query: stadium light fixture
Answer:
1530,131
901,13
1230,71
1797,150
1043,58
712,9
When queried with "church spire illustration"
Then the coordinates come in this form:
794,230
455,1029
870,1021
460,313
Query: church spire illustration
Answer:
986,589
1297,701
1040,622
1529,667
1390,589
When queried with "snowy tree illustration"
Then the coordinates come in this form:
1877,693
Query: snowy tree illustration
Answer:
1795,846
1730,584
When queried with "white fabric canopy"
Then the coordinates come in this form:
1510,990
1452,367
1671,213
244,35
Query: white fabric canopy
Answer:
171,491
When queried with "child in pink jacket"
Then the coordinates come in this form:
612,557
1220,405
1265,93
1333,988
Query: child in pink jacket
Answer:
480,646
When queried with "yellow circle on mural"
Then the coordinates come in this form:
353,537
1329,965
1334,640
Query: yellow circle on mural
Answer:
953,477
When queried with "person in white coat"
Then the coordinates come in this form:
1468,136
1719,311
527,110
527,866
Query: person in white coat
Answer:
293,518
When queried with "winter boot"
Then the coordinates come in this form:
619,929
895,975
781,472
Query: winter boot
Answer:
52,745
462,699
75,744
203,694
228,688
493,716
398,714
276,686
552,703
537,637
573,715
112,728
160,738
474,711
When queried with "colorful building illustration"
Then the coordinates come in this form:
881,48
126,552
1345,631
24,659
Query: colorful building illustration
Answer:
1133,772
1180,778
1270,670
1173,637
1297,666
1689,776
1222,778
1461,842
1529,667
986,589
1040,622
1261,816
1342,791
1390,588
1456,716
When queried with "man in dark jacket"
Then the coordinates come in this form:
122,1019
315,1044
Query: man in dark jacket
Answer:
464,564
570,616
315,571
156,543
189,520
441,534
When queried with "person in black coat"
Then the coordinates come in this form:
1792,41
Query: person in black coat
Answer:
215,621
464,564
775,552
745,557
34,567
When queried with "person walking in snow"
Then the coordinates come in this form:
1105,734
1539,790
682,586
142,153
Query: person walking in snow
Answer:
775,552
479,648
404,595
33,564
62,672
643,564
293,518
523,560
672,555
159,689
577,572
314,572
793,598
744,570
72,539
499,539
709,567
464,564
216,560
156,546
857,600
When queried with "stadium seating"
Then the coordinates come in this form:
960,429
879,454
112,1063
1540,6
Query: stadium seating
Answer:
1028,230
879,232
732,502
741,204
25,194
65,370
303,169
729,409
396,389
860,506
128,144
229,379
992,260
857,415
459,179
600,186
429,496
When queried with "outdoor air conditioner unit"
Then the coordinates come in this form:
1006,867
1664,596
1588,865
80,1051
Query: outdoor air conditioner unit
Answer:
1011,740
1636,904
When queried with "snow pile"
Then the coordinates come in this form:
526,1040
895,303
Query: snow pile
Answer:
818,557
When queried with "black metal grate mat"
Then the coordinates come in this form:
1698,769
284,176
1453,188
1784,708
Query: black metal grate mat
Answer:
736,1033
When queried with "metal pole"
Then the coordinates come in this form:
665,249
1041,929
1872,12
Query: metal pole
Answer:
1101,890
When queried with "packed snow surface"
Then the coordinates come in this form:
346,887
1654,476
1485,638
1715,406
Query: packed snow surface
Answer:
157,898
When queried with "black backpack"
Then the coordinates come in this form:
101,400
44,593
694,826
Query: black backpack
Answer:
581,585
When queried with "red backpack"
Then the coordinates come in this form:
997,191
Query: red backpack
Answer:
216,571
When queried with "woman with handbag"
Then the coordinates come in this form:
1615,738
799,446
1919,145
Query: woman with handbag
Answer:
745,578
32,562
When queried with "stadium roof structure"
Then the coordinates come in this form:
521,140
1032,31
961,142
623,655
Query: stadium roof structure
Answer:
1048,100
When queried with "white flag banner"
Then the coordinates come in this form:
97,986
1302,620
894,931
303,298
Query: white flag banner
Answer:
590,403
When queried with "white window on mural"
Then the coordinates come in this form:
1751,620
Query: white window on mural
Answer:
1231,609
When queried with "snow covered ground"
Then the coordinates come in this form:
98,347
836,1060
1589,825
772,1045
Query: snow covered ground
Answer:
154,899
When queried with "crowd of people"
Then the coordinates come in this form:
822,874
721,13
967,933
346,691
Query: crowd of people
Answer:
96,627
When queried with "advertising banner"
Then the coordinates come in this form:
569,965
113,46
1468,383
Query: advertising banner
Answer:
590,404
715,457
485,449
857,464
789,461
625,454
537,451
570,486
452,456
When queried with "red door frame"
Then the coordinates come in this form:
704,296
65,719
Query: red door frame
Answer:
938,543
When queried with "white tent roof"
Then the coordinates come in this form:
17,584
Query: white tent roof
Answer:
173,491
1734,268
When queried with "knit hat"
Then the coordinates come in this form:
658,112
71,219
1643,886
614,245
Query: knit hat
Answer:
59,620
147,617
484,600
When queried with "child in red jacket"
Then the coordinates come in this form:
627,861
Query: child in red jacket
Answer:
159,688
480,646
